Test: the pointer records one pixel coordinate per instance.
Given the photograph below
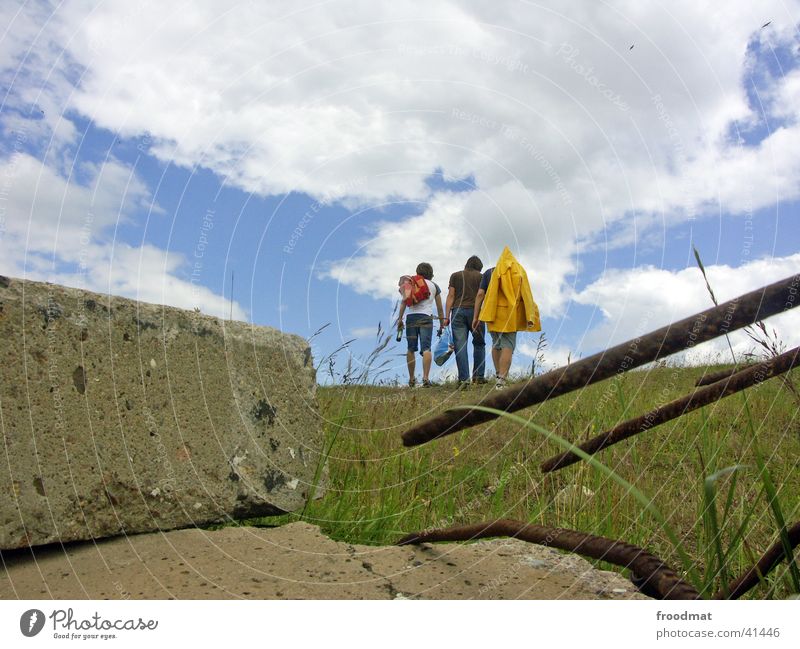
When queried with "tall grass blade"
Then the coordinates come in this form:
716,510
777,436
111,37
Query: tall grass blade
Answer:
344,414
777,512
710,515
705,277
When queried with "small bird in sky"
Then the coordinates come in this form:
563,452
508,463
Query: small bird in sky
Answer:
767,24
631,47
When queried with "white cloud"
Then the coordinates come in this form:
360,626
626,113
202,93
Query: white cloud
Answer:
639,300
575,141
59,230
548,358
364,332
279,98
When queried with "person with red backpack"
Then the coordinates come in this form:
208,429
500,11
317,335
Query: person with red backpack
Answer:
419,293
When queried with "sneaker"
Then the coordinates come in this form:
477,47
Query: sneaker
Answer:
463,385
479,380
500,384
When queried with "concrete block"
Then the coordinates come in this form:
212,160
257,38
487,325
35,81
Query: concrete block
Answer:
120,417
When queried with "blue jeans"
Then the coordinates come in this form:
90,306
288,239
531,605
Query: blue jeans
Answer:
462,327
419,332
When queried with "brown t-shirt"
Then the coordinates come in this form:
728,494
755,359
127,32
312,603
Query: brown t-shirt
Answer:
466,284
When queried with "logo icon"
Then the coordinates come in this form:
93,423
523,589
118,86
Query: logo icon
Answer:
31,622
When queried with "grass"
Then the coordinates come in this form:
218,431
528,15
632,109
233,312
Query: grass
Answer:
723,479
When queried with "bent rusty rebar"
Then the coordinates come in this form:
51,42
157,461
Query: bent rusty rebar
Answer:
734,314
771,558
655,576
701,397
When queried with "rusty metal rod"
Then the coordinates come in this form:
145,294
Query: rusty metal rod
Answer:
734,314
708,379
771,558
699,398
656,576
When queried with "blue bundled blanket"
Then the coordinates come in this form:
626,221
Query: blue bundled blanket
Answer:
444,347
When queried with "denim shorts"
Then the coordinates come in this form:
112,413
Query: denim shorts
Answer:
504,339
419,332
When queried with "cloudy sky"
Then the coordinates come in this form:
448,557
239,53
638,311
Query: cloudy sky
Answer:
317,151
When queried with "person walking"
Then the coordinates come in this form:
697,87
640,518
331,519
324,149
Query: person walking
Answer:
459,314
419,326
504,301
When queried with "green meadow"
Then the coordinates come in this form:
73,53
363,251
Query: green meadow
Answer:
720,520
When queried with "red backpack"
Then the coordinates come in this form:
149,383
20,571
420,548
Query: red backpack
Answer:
414,289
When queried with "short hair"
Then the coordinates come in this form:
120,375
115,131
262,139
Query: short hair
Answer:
474,263
425,269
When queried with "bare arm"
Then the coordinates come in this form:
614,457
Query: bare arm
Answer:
400,314
451,297
478,303
440,312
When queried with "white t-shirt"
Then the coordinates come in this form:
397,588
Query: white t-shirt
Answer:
426,306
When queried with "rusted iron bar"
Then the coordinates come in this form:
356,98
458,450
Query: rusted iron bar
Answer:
734,314
699,398
708,379
652,572
772,557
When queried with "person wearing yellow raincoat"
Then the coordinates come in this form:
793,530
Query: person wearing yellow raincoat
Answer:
505,303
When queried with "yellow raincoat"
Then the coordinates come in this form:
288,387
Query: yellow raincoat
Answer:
508,304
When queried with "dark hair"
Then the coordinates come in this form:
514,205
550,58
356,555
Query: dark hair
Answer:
425,269
474,263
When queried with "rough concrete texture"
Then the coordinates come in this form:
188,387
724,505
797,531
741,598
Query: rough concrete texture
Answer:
119,416
297,561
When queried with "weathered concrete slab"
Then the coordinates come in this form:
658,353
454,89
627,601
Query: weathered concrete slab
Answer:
120,416
298,562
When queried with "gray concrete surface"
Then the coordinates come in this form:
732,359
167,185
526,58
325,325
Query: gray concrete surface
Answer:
119,416
297,561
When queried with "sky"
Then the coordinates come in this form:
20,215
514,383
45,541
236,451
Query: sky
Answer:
284,163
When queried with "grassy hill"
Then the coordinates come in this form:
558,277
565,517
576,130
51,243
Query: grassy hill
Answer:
380,490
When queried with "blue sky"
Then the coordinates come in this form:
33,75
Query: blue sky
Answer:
318,152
